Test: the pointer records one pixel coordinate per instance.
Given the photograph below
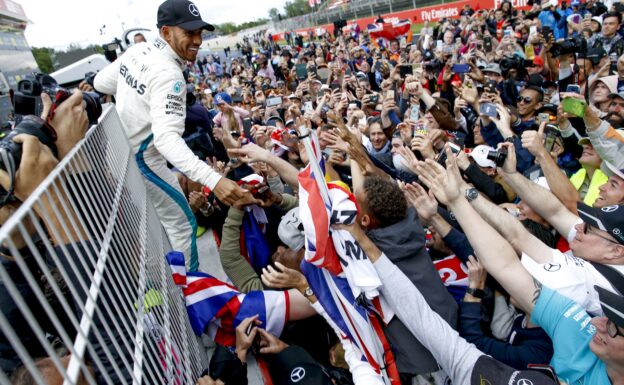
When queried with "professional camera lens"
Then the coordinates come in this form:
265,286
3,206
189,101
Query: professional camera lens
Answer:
94,108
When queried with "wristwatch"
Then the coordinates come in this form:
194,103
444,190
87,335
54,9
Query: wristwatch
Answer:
471,194
308,292
477,293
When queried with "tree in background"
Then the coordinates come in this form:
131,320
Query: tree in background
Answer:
297,8
43,58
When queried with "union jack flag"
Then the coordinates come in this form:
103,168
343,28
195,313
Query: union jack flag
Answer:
217,308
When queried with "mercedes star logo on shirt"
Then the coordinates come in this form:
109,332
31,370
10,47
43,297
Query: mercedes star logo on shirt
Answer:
297,374
552,267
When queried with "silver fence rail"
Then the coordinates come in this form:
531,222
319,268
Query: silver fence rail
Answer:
86,296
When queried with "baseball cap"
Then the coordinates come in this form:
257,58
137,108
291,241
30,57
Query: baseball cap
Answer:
361,74
290,230
294,365
608,218
612,305
494,68
293,96
597,19
479,154
223,97
575,3
610,170
584,140
616,95
183,14
487,370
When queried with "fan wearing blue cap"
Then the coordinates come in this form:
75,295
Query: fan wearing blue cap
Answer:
150,92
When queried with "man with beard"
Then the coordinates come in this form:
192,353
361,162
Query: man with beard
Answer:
615,116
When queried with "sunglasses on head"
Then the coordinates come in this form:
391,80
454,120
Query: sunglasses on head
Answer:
526,99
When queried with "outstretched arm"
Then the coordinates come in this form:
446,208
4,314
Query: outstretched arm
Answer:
540,199
496,254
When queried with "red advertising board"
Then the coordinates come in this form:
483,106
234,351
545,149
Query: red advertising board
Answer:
416,16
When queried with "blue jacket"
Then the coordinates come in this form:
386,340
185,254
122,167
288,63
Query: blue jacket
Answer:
524,346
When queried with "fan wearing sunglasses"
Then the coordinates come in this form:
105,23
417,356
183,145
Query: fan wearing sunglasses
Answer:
529,101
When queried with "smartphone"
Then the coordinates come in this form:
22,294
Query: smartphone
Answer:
551,133
348,71
302,71
307,106
374,98
377,65
274,101
455,149
574,106
415,112
488,109
247,128
390,95
334,86
405,70
575,88
546,31
419,129
461,68
543,117
487,44
323,74
490,87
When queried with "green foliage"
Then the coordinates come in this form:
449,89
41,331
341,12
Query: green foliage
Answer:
43,59
228,28
297,8
274,13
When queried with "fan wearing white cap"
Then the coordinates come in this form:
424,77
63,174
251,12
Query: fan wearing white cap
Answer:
482,174
150,93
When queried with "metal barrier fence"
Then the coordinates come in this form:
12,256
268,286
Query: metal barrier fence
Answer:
85,292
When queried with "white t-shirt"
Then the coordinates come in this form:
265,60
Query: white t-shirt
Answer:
571,276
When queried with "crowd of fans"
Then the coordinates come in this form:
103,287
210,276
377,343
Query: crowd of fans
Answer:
486,158
520,111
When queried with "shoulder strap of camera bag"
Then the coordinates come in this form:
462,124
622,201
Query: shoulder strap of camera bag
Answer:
615,278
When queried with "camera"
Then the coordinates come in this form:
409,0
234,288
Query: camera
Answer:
434,65
27,98
11,152
498,156
568,46
512,62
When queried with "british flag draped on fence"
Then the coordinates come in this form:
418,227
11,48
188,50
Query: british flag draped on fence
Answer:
337,269
216,308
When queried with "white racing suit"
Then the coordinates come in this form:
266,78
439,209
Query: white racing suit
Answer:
150,94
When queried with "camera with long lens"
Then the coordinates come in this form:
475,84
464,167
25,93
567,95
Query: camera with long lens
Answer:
512,62
498,156
568,46
27,98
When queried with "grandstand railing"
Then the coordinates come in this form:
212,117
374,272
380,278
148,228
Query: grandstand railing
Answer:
89,278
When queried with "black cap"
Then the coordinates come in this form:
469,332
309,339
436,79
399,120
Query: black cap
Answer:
183,14
489,371
295,366
612,305
609,219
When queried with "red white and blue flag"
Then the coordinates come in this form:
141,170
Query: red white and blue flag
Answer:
337,269
217,308
390,31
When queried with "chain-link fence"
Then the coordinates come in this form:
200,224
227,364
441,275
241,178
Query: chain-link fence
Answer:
86,294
